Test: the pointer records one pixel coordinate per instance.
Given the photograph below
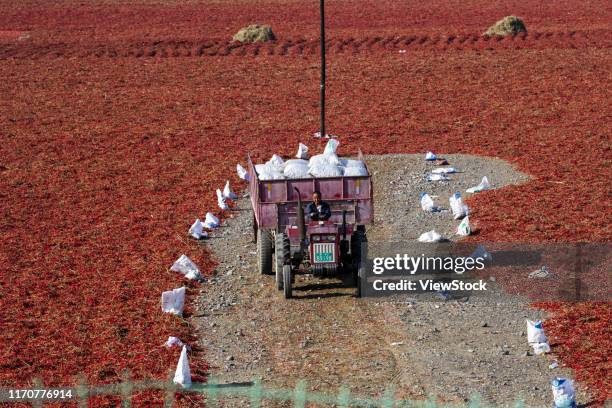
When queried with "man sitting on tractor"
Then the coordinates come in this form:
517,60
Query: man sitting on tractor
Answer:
318,210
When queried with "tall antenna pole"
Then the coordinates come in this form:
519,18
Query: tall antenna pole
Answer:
322,7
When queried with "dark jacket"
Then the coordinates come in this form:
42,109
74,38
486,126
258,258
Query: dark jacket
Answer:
315,214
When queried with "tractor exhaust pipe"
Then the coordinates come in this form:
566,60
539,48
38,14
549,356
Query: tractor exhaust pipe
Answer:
301,223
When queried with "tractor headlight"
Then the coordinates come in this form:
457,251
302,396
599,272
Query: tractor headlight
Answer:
316,238
331,238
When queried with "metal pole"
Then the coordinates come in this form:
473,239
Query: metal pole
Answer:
322,7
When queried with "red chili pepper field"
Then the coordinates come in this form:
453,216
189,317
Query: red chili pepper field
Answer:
119,121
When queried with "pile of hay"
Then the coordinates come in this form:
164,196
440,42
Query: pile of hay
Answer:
509,25
254,33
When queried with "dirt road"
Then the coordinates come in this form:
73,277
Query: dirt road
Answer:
448,348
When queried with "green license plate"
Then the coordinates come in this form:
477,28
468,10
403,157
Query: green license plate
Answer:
324,257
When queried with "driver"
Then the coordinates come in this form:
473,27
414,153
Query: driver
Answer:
318,210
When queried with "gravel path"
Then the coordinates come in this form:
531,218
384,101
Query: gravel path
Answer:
451,349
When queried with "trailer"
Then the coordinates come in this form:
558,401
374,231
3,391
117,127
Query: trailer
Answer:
289,244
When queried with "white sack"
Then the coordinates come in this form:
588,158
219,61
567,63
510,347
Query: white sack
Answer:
563,391
296,170
431,236
427,203
211,221
430,156
444,170
437,177
228,193
535,332
325,170
242,173
173,301
271,175
319,159
352,163
331,146
355,171
221,201
197,230
186,266
484,185
173,341
540,348
464,228
276,163
459,209
182,375
302,152
262,168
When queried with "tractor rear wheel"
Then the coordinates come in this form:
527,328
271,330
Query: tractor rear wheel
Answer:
264,252
282,256
287,281
359,245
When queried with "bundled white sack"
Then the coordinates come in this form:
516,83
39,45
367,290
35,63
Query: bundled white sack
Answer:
459,209
535,332
431,237
186,266
437,177
271,175
296,169
275,163
319,159
262,168
355,171
242,173
221,201
197,230
444,170
173,301
352,163
173,341
464,228
430,156
540,348
325,170
211,222
427,203
302,152
484,185
331,147
182,375
564,394
228,193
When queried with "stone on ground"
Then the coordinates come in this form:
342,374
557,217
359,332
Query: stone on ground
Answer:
254,33
509,25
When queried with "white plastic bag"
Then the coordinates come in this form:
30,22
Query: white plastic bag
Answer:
325,170
302,152
464,227
352,163
182,375
355,171
173,301
437,177
564,394
242,173
484,185
427,203
535,332
459,209
197,230
331,147
186,266
540,348
430,156
276,163
271,175
211,221
319,159
173,341
228,193
444,170
431,236
221,201
296,169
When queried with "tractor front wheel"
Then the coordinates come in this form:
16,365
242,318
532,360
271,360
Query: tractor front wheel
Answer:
264,252
282,256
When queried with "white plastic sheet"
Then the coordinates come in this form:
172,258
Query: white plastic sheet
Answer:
427,203
296,169
197,230
444,170
221,200
431,236
464,228
331,147
325,170
330,158
563,391
458,209
355,171
271,175
242,173
540,348
535,332
352,163
228,193
186,266
430,156
437,177
484,185
173,301
275,161
182,375
211,221
302,152
173,341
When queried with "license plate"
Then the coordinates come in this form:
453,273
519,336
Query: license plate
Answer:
324,257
